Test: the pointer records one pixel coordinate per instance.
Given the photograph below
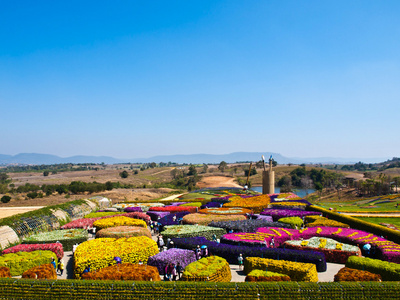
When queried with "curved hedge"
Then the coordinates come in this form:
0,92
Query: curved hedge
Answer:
389,271
260,275
57,248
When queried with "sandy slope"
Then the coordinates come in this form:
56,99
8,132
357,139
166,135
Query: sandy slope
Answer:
217,181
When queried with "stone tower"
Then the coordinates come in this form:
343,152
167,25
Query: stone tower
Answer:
268,178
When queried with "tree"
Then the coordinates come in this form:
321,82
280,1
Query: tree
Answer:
124,174
192,170
205,168
46,173
153,165
222,166
5,199
109,186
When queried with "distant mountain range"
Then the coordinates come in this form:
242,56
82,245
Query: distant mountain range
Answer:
48,159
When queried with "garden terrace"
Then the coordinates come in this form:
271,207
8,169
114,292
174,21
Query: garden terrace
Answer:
205,219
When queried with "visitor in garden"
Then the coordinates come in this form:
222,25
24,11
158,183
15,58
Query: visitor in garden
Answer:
53,262
367,248
140,262
174,218
240,261
173,272
198,252
170,245
118,260
60,266
272,243
87,269
160,243
179,270
204,252
151,226
214,238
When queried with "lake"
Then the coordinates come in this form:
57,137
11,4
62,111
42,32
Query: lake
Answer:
300,193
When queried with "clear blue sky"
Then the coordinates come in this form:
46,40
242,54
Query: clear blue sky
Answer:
135,79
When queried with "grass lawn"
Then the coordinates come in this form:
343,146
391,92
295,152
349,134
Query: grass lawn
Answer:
361,206
389,220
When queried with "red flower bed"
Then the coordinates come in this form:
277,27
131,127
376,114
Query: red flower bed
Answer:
175,209
57,248
88,223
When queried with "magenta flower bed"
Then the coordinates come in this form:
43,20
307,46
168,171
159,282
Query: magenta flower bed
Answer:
57,248
276,214
262,236
173,255
88,223
133,209
155,215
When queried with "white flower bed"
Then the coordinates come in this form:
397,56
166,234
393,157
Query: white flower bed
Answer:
315,242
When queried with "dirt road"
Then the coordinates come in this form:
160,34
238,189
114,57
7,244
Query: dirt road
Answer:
217,181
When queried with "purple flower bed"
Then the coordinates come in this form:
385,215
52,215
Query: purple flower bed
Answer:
247,225
173,255
168,219
211,205
231,252
155,214
133,209
262,217
301,201
177,203
283,213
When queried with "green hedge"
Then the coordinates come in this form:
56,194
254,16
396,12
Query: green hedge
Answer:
389,271
19,262
391,234
11,288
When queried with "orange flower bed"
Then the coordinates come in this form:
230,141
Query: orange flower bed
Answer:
225,211
45,271
348,274
123,231
5,272
257,204
127,271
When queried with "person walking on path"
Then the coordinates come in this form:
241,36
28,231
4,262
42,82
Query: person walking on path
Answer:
240,261
60,266
53,262
160,243
173,272
179,270
198,252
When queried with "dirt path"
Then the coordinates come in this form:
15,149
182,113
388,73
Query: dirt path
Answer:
217,181
10,211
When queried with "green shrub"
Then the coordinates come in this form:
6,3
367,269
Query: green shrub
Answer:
20,262
389,271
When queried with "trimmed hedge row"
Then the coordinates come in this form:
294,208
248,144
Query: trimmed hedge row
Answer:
379,230
259,275
11,288
296,271
231,252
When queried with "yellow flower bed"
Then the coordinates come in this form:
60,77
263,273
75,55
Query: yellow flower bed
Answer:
327,223
100,253
295,270
118,221
257,204
213,268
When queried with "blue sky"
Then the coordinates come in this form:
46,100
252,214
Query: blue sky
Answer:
141,78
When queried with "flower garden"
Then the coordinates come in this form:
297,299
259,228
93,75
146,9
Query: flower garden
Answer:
282,238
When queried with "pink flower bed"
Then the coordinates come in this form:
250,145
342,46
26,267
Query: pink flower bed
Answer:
57,248
263,235
88,223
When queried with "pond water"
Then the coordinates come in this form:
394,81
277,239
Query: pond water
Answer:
301,193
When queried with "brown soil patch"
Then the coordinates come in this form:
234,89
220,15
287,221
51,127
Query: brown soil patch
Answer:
217,181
